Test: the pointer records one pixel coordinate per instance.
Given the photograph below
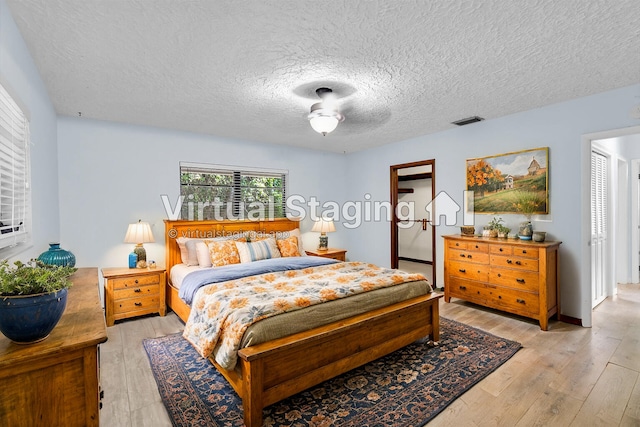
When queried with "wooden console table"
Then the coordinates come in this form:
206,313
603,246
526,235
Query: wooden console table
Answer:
55,382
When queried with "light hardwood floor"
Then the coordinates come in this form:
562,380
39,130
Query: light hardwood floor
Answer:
567,376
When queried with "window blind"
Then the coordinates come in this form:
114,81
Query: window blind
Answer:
15,194
227,192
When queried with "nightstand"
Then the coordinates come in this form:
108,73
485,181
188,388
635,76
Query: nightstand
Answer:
130,292
339,254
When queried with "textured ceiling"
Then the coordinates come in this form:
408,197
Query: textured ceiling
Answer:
248,69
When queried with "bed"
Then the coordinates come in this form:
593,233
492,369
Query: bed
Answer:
270,371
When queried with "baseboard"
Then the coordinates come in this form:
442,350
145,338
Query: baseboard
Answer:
570,320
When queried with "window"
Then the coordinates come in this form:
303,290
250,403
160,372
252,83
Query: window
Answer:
227,192
15,195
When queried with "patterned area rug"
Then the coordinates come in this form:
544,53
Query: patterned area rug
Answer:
406,388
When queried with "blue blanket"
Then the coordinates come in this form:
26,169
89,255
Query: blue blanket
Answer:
197,279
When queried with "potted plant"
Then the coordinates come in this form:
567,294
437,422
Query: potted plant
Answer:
503,231
33,297
527,203
494,226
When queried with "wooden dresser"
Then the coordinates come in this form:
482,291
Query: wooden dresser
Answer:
55,382
517,276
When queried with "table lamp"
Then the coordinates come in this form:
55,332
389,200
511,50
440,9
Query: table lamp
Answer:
139,233
323,226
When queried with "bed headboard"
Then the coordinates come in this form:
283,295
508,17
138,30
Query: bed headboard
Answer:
213,228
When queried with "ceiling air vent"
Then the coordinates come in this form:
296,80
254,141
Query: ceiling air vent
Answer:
467,121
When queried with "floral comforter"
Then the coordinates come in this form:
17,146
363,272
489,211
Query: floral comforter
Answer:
221,312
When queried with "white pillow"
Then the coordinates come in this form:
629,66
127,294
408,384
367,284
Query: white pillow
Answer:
255,251
202,253
188,258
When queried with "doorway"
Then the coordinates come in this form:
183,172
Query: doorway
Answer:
412,233
623,216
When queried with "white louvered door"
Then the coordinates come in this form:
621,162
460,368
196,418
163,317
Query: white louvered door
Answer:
599,190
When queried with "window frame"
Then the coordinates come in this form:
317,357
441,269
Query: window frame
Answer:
241,207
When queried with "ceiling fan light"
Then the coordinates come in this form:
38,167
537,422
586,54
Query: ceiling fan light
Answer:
324,120
324,124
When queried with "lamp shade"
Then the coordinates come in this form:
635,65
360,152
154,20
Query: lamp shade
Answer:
140,232
324,124
324,225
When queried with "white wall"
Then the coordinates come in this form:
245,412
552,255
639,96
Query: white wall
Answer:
559,127
114,174
21,78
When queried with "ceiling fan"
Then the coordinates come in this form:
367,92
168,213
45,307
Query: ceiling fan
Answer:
324,116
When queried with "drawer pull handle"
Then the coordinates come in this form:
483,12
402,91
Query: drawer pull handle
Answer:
518,263
524,251
462,255
509,261
500,249
462,270
499,275
520,280
464,288
499,296
520,301
137,290
469,256
457,244
136,282
476,246
138,304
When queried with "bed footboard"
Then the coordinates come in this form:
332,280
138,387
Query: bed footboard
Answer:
274,370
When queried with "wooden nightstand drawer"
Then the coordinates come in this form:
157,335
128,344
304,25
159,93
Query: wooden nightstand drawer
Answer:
132,305
136,281
119,294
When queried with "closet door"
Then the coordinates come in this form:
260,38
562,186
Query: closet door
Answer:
599,260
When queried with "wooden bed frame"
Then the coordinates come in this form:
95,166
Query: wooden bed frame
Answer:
269,372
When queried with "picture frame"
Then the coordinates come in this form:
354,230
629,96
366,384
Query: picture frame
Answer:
510,183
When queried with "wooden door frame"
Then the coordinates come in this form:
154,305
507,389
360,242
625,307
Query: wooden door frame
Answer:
393,175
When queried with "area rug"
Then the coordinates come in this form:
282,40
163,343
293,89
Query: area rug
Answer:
406,388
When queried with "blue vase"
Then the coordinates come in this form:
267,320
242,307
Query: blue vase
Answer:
31,318
57,256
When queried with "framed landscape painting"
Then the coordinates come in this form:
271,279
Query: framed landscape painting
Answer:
510,183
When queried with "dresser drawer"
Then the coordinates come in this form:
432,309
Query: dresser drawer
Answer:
515,279
468,256
525,252
467,290
468,270
140,291
501,249
135,281
517,302
517,263
457,244
468,246
150,303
